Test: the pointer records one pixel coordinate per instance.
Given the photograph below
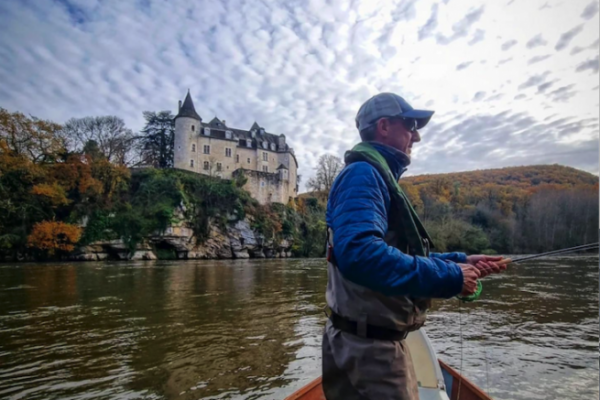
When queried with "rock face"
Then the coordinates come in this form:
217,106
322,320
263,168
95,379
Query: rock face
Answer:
237,241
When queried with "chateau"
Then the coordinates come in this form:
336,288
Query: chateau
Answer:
217,150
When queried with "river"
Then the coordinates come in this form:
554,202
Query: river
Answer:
252,330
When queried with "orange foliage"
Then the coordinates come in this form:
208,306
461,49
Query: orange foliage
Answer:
54,235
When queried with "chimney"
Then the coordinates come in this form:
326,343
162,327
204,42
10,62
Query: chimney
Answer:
179,106
224,123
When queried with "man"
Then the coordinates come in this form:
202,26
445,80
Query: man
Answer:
381,275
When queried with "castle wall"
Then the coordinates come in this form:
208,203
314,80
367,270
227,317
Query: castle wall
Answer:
217,155
265,187
184,137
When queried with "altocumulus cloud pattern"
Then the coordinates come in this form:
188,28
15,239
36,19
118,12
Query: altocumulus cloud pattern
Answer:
512,82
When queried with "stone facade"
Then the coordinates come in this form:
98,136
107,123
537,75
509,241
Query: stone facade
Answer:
217,150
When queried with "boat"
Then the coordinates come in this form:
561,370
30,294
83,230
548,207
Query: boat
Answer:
437,380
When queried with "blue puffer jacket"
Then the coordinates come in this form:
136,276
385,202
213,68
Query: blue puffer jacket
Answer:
357,211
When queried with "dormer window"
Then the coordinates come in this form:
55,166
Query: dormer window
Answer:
207,131
248,143
265,145
273,146
228,134
262,131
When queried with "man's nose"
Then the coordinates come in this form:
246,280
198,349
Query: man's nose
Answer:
416,136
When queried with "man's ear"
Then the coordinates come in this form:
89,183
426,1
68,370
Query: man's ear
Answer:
383,126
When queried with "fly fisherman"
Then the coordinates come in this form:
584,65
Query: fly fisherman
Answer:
381,276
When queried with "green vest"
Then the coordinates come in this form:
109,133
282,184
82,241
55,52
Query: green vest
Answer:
410,234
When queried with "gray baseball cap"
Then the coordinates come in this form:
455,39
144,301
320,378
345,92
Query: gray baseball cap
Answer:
389,105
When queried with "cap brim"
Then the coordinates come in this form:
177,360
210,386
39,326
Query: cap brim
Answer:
422,116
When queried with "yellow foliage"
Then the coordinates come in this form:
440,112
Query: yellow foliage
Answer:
54,193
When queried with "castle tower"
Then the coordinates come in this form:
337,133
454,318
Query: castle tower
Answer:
187,129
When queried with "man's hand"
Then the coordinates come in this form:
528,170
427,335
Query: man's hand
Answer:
470,276
486,265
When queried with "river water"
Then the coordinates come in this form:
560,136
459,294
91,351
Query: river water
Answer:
252,330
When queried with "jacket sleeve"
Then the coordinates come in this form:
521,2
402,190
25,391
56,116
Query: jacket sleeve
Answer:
454,257
359,210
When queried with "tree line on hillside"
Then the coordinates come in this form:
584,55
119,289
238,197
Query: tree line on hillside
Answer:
510,210
64,186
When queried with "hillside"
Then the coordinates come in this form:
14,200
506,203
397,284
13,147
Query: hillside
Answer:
522,177
507,210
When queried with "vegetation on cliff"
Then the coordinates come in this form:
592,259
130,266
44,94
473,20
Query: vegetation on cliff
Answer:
58,192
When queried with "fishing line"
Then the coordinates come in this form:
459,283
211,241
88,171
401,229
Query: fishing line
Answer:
461,347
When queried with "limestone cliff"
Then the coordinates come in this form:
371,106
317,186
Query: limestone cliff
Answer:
236,240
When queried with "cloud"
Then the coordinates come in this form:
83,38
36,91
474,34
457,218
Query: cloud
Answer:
591,64
593,46
590,10
536,41
566,37
507,45
304,68
478,36
462,27
544,86
534,80
430,26
479,96
537,59
464,65
563,94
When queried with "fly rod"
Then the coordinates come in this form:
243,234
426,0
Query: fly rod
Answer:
584,247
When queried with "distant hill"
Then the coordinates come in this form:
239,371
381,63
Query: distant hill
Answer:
507,210
522,177
527,177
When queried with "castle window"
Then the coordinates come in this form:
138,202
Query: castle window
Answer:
237,158
265,156
273,146
227,152
265,145
248,143
191,163
206,149
207,131
193,128
248,161
219,166
262,183
265,168
206,165
193,148
228,134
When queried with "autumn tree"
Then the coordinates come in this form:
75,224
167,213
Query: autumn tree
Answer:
52,236
327,169
155,144
37,139
107,135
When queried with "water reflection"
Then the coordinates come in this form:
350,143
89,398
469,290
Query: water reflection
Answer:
252,329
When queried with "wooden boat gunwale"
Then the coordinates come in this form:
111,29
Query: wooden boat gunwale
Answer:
469,391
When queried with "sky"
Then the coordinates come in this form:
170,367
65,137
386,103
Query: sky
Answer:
512,82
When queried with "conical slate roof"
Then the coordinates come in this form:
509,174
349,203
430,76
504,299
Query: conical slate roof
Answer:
187,109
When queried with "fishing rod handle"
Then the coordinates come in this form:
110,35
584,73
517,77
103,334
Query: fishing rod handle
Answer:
504,261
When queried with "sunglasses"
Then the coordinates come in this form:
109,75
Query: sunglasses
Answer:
409,123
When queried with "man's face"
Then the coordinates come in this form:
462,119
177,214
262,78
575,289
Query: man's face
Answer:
399,136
